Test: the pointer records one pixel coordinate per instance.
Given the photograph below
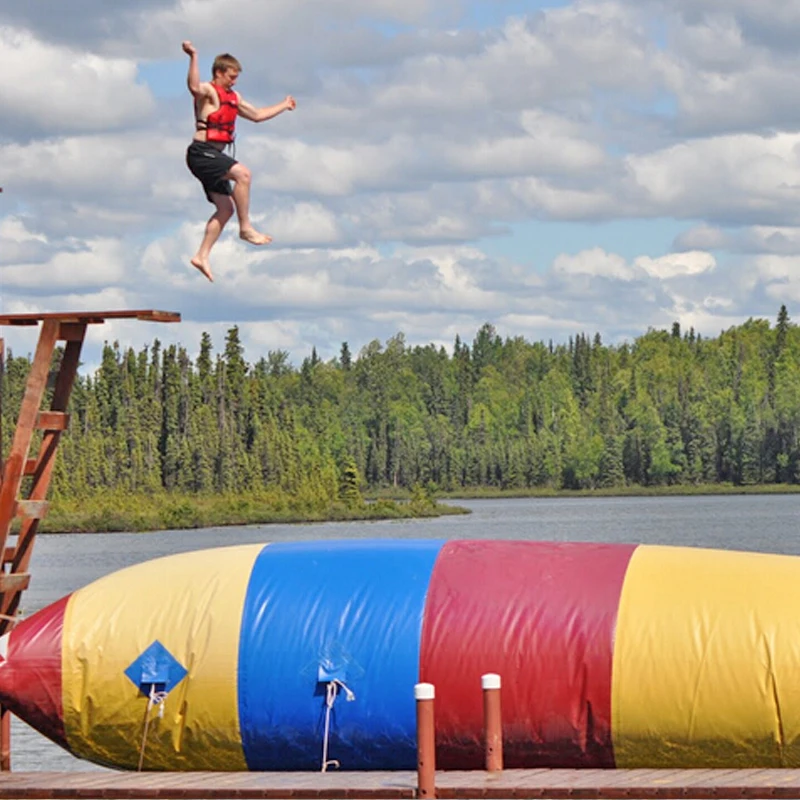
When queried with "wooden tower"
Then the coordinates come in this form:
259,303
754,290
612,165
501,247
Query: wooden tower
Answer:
16,550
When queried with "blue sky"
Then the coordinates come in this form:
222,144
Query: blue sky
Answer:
536,244
552,168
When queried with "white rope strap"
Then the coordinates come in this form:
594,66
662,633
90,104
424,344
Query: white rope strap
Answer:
155,699
331,690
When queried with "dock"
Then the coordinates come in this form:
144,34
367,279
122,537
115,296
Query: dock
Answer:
513,783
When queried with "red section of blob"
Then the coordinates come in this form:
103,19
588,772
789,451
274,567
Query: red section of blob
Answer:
542,615
30,677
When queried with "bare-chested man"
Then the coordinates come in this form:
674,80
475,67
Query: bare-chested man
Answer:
216,107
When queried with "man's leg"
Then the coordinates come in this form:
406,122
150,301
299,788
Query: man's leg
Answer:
214,228
240,176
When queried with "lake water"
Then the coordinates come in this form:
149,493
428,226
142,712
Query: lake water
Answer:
764,523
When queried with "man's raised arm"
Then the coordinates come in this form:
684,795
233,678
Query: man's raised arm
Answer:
193,77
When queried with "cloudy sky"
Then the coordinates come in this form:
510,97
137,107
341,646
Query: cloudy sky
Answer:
549,167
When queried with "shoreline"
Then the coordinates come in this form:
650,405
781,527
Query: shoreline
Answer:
677,490
117,512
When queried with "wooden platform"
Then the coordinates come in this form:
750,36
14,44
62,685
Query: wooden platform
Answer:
543,783
90,317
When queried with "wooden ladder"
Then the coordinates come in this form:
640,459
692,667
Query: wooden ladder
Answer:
14,568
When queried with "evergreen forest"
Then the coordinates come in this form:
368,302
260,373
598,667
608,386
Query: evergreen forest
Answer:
669,408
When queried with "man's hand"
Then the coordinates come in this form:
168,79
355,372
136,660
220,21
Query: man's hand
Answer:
189,48
290,103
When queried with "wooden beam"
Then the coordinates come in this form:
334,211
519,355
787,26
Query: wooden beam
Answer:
32,509
44,468
52,421
29,410
14,582
71,331
2,382
5,739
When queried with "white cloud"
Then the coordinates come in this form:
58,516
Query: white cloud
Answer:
551,144
702,237
673,265
714,303
112,165
594,262
326,170
547,199
98,263
56,88
733,178
302,224
419,147
768,22
770,239
21,244
13,229
780,275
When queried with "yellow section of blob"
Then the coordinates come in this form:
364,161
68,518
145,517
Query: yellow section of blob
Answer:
707,660
192,604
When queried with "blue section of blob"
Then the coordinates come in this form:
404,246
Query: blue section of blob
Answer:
316,612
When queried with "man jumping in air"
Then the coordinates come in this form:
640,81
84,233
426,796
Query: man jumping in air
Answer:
216,107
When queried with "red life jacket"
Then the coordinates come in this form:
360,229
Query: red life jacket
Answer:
220,124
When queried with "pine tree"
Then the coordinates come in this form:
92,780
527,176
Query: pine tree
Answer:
345,358
349,490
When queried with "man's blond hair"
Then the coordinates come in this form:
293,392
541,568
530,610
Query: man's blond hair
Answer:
223,62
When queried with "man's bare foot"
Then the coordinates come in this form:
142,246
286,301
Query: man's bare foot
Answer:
254,237
204,267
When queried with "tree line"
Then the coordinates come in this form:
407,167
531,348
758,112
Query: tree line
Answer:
671,407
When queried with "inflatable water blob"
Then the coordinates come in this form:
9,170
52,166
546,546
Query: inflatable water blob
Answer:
287,655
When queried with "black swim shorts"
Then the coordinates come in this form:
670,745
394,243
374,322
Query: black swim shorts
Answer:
209,166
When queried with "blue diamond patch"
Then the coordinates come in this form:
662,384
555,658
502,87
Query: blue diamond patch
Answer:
156,667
